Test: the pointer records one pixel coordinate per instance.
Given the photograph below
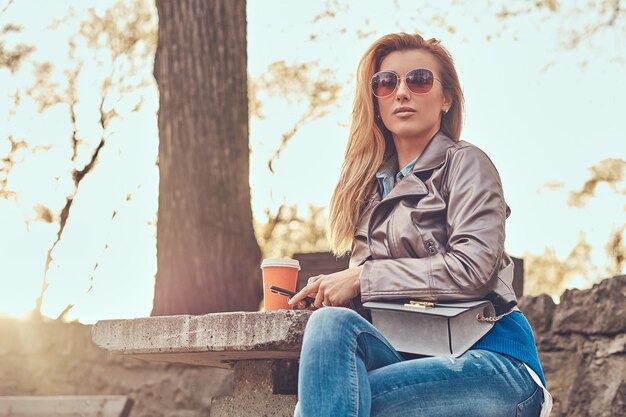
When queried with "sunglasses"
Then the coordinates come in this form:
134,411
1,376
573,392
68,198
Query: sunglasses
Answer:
418,80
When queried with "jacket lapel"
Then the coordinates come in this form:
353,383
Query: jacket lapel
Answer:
434,155
410,185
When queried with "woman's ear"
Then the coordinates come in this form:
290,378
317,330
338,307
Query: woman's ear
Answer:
447,103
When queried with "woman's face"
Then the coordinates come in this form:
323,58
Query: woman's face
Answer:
406,115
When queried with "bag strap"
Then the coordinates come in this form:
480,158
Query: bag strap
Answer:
482,318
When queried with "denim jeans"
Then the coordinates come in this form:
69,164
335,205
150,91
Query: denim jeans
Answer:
348,368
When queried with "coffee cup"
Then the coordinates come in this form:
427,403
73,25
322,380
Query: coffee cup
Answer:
281,272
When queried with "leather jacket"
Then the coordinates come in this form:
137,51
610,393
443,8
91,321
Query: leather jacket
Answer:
439,234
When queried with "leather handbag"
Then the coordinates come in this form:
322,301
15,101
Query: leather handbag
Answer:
432,329
435,329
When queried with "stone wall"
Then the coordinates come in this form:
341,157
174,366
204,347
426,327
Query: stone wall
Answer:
53,358
582,345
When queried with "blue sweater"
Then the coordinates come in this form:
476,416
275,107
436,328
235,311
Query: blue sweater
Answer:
512,336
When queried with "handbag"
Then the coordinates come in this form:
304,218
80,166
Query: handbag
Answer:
433,329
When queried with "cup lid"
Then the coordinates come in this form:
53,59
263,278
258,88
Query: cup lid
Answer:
292,263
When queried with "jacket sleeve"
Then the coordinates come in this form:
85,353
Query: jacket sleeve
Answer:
468,266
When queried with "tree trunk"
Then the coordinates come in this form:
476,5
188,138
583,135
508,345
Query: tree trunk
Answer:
208,258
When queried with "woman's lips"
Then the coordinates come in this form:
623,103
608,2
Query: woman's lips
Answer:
403,112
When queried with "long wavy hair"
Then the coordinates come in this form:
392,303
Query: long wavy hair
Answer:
370,143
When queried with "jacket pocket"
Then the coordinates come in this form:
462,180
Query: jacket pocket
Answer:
530,407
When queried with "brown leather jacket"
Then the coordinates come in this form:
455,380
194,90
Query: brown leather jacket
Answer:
439,233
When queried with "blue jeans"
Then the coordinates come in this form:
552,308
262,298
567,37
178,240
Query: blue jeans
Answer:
348,368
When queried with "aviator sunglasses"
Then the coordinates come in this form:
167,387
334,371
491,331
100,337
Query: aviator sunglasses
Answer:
418,80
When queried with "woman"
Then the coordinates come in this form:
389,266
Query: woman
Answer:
423,215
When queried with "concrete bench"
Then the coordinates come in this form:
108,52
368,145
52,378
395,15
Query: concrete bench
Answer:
262,348
66,406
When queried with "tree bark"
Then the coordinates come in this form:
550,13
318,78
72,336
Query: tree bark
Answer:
207,255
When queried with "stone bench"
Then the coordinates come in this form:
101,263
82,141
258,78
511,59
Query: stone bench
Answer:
262,348
66,406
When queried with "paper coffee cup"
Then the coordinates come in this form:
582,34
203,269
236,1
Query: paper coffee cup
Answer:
282,272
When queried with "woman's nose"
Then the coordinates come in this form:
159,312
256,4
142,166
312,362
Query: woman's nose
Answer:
403,90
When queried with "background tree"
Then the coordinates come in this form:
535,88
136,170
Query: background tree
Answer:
118,43
289,232
207,255
318,89
11,59
546,273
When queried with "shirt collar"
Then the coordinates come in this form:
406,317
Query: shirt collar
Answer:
388,173
388,168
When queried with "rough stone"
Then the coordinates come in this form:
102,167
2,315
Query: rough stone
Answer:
539,311
600,310
582,346
254,394
607,347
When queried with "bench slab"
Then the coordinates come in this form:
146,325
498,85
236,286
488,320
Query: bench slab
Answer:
216,339
66,406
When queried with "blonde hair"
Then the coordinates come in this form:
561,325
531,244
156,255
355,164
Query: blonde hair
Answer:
369,142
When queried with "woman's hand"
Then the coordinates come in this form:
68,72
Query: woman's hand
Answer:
335,289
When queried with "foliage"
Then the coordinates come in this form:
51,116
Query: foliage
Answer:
318,88
549,274
579,23
546,273
582,22
121,43
289,232
307,82
611,171
12,58
616,249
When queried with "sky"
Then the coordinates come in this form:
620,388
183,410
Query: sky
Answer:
544,114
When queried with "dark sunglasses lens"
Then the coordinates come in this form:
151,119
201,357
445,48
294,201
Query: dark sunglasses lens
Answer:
420,81
384,83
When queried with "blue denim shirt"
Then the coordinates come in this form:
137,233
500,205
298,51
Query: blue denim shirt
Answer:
386,177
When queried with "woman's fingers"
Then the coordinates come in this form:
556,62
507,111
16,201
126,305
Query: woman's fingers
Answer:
313,279
319,300
335,289
309,289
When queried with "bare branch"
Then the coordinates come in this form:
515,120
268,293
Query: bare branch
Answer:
65,312
271,224
297,82
6,6
286,137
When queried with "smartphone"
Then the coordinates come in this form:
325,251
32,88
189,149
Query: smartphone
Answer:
288,293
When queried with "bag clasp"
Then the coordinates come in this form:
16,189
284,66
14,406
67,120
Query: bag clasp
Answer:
419,305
